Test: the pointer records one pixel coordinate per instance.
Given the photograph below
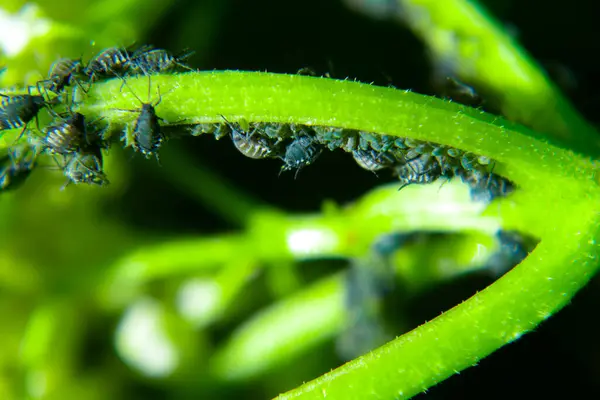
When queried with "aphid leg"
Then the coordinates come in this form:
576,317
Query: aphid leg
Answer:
12,156
16,141
81,86
283,167
444,181
184,66
297,172
489,179
59,164
403,185
128,87
40,85
157,89
178,60
67,183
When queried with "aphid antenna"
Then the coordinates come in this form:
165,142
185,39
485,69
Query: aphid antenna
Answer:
405,161
182,57
67,183
12,155
230,125
404,185
85,166
185,54
160,96
444,181
130,89
140,50
41,85
20,135
489,179
81,86
282,169
297,172
70,103
60,165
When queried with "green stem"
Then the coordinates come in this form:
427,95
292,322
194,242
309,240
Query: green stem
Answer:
556,186
467,41
456,340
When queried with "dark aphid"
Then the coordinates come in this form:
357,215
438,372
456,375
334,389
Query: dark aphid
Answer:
485,187
372,160
108,63
368,280
337,138
62,73
67,136
85,167
219,130
273,131
18,110
16,166
461,92
363,305
513,247
148,61
300,153
420,170
147,133
249,144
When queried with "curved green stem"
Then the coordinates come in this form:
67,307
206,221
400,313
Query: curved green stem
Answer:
456,340
557,193
468,42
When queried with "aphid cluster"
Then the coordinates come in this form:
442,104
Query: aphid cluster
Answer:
75,142
411,161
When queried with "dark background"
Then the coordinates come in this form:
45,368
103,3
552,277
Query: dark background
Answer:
561,359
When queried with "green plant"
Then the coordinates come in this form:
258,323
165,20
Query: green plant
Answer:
555,202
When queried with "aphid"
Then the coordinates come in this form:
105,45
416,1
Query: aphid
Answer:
300,153
461,92
420,170
67,136
85,167
109,62
62,73
147,134
513,247
18,110
149,60
372,160
16,166
204,128
249,144
274,130
363,305
335,138
485,187
367,281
